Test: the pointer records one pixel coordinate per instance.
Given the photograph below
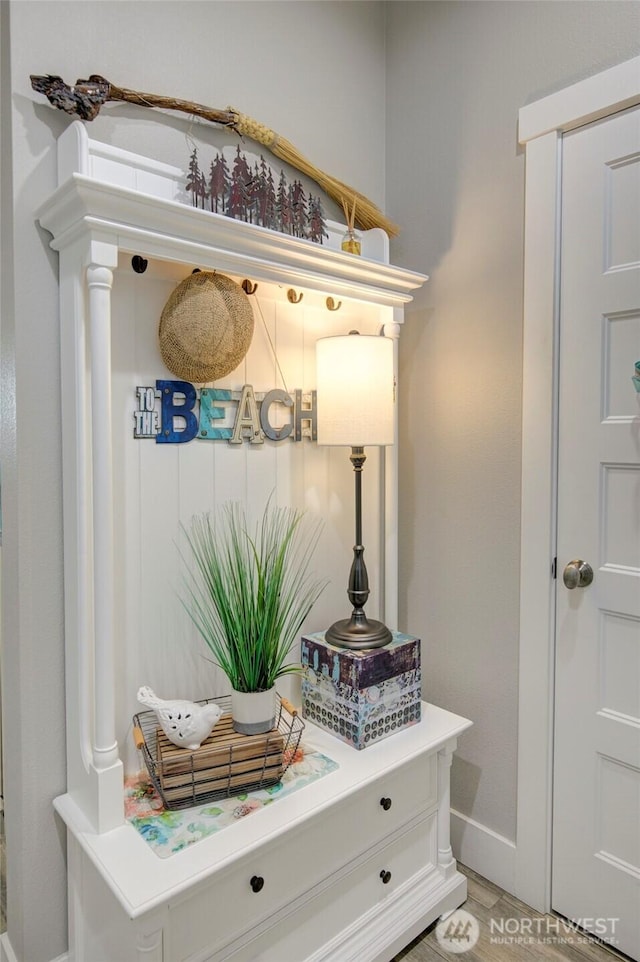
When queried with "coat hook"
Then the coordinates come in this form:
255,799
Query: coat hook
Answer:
249,287
196,270
139,264
293,297
333,305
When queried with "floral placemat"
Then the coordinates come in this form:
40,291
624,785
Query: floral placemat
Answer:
168,831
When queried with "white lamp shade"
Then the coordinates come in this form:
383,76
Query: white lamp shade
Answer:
355,385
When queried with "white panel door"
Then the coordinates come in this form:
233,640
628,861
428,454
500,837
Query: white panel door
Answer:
596,831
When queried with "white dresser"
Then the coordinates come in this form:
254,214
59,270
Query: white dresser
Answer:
351,867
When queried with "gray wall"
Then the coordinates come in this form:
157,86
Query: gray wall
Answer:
457,75
315,71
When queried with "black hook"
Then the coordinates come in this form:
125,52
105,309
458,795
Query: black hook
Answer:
139,264
249,287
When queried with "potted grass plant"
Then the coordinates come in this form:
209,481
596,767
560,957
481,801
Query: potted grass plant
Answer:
248,593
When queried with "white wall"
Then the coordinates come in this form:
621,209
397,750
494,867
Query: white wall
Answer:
457,75
314,72
157,487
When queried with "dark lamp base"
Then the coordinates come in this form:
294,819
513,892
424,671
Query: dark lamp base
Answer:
358,635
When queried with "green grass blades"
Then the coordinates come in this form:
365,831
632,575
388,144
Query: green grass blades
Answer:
248,592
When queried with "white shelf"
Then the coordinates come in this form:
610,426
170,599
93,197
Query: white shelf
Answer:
127,202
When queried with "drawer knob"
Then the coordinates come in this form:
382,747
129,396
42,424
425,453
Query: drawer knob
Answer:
257,883
386,803
385,876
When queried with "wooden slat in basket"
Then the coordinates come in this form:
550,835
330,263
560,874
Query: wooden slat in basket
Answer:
225,760
251,766
216,749
230,786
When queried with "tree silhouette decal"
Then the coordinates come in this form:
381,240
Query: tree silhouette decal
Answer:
193,177
250,194
218,184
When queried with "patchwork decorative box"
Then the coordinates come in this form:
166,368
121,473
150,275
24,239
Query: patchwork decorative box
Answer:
361,696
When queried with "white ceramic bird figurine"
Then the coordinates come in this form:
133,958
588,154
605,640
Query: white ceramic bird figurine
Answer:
185,723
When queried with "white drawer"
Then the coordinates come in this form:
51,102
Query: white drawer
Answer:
227,906
333,907
410,789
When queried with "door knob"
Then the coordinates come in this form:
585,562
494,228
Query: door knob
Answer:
577,574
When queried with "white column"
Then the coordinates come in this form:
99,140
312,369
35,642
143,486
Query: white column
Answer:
446,861
149,947
105,748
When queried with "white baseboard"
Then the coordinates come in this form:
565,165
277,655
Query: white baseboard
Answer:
6,951
8,955
483,850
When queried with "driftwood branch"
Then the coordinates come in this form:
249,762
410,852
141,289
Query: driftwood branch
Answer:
85,98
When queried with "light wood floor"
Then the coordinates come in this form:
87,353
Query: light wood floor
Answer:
485,902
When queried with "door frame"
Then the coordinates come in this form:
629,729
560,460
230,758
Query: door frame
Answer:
541,127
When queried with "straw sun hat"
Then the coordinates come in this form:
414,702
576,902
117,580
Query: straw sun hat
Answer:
206,327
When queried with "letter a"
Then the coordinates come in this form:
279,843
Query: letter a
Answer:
247,419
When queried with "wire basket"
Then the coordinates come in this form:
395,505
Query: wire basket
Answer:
226,764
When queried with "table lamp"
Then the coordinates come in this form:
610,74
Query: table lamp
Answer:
355,385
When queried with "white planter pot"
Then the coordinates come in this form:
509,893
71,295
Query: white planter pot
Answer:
253,712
